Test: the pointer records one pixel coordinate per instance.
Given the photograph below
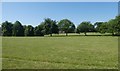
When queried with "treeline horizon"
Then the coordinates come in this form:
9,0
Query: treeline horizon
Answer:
49,27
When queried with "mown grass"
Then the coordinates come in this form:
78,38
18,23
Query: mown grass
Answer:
79,52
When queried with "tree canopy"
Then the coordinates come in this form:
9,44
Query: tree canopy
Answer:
66,26
7,28
85,27
49,27
39,31
29,30
18,29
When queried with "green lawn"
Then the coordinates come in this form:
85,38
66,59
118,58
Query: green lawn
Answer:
78,52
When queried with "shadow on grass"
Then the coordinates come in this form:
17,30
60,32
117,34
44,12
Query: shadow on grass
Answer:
77,35
69,35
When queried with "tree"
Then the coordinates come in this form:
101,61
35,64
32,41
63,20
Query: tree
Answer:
55,29
0,31
91,28
38,30
112,24
66,26
103,28
71,28
117,18
85,27
78,29
29,30
7,28
18,29
47,26
97,26
50,26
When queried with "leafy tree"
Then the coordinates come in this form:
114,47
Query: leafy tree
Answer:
0,31
103,28
24,27
7,28
78,29
47,26
18,29
112,24
66,26
85,27
97,26
117,18
91,28
50,26
55,29
71,28
38,30
29,30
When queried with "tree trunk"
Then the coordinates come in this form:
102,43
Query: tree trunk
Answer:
112,33
50,34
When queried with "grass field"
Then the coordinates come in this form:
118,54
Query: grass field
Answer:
79,52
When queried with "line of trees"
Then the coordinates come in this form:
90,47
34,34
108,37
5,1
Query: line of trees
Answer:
49,27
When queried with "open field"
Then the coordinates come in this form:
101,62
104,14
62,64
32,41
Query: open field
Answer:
78,52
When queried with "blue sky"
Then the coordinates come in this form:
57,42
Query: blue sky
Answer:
33,13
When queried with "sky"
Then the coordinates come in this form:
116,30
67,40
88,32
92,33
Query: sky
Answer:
33,13
60,0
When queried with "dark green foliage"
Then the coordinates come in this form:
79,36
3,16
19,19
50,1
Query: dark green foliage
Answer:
7,28
38,30
85,27
0,31
103,28
50,26
47,26
66,26
112,24
97,26
29,31
55,29
18,29
117,25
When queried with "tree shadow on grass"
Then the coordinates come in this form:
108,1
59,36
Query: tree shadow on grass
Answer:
78,35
